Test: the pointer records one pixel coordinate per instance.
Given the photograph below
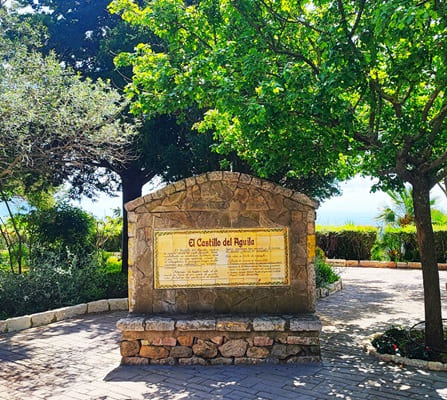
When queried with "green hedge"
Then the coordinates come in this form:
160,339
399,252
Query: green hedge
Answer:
349,242
400,244
352,242
47,288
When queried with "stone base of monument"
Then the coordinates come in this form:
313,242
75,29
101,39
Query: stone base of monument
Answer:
204,340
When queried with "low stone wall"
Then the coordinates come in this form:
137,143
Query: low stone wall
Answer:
192,340
47,317
379,264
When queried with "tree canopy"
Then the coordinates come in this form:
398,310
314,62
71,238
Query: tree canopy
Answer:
328,86
53,124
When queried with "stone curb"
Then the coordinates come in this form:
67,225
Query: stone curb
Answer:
187,323
338,262
47,317
412,362
330,289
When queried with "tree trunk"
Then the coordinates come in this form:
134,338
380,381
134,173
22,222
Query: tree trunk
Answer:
432,295
131,188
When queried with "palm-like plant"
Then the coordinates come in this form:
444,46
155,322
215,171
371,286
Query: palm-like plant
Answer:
401,212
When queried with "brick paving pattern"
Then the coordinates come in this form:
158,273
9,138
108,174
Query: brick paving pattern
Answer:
79,359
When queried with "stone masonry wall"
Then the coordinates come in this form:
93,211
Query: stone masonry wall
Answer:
222,200
219,341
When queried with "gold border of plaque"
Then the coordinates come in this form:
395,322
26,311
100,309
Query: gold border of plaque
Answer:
204,258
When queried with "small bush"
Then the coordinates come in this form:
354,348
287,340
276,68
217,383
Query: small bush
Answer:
349,242
397,341
63,230
324,273
49,286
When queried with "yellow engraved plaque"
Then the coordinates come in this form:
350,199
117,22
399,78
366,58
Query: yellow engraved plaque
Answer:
221,258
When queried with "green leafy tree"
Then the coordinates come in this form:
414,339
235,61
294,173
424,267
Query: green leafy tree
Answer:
333,86
86,37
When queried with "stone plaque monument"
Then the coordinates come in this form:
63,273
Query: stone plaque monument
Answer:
221,272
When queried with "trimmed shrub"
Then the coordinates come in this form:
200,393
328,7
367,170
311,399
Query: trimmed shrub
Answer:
400,244
349,242
49,287
324,273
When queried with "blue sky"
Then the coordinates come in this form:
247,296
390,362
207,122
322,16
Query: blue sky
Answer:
356,204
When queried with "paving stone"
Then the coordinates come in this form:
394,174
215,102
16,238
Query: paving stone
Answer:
80,358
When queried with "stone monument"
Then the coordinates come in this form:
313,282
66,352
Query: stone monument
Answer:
221,272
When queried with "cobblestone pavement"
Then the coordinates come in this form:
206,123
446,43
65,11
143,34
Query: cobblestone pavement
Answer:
79,358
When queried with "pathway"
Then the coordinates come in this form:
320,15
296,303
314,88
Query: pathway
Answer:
79,358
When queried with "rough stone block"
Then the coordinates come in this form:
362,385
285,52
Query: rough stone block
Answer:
70,312
19,323
283,351
233,325
164,341
248,361
134,361
217,340
154,352
3,326
215,176
159,324
305,324
221,361
43,318
181,352
131,324
258,352
129,348
269,324
234,348
205,349
304,341
205,324
97,306
186,340
164,361
262,341
131,205
192,361
118,304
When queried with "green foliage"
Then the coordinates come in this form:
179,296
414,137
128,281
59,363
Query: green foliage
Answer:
108,233
49,286
349,242
400,244
64,231
397,341
324,273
